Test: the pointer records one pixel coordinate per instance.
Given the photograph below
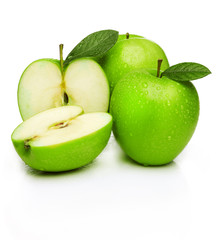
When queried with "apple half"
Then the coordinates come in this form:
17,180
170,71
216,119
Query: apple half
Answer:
42,86
62,138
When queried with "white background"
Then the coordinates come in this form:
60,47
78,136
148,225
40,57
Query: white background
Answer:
113,198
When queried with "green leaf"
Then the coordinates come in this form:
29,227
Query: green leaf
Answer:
93,45
186,71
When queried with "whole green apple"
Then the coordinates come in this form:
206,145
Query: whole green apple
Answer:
131,52
61,139
154,118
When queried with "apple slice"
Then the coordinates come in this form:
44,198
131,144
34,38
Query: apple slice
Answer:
42,87
61,139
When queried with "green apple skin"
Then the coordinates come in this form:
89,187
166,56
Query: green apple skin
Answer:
65,156
154,118
131,54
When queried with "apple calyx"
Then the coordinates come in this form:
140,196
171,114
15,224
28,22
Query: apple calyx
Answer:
26,142
127,35
159,62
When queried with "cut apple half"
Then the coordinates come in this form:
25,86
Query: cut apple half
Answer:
42,86
61,139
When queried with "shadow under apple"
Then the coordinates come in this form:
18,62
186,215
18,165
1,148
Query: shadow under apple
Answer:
42,174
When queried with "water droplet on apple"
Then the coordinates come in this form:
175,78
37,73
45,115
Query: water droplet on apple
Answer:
145,85
168,103
158,88
130,134
169,138
146,92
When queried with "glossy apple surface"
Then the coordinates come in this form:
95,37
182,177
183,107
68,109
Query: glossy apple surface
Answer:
154,118
130,54
62,139
42,87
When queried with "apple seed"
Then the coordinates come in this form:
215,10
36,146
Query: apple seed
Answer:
66,99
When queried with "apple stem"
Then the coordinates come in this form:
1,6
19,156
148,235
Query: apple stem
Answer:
61,46
159,62
127,35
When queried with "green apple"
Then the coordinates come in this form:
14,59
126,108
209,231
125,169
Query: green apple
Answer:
61,139
131,52
154,118
43,86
